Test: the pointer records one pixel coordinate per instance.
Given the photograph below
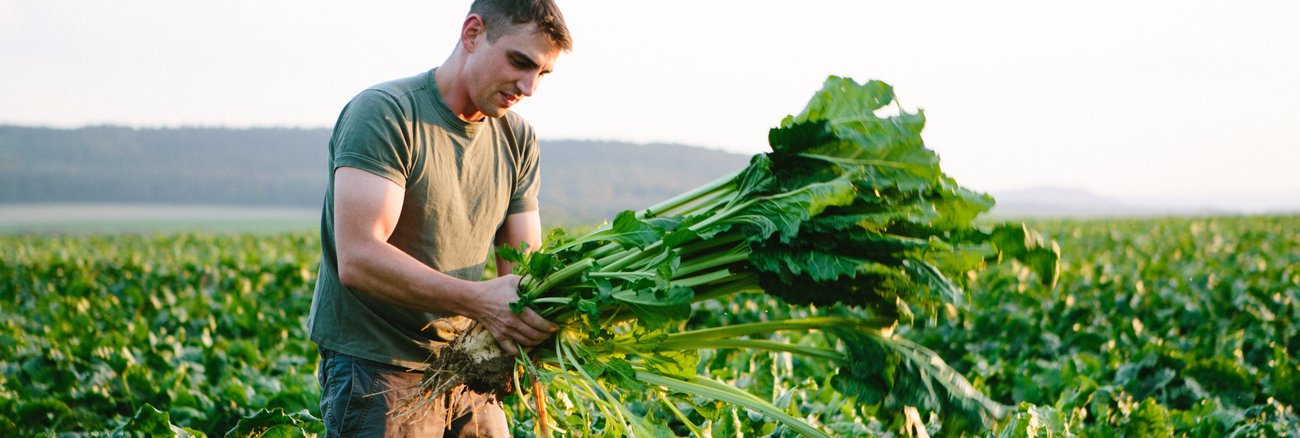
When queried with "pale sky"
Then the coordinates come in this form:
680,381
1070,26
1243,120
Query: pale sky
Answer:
1121,98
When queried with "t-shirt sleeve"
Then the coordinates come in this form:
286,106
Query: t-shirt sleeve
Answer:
371,136
527,179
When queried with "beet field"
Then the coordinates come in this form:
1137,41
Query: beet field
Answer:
1155,327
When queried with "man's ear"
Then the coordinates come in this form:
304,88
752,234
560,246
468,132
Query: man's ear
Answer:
470,31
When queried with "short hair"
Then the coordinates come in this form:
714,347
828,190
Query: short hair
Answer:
500,15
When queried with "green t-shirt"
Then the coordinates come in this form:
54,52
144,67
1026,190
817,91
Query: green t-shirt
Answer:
461,180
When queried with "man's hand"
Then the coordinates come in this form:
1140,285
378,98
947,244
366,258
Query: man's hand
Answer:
492,310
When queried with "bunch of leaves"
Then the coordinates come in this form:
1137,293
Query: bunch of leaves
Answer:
849,216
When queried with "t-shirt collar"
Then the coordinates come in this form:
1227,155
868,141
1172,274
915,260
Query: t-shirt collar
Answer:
445,112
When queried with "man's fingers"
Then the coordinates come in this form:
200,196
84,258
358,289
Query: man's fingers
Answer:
530,317
528,330
530,336
507,344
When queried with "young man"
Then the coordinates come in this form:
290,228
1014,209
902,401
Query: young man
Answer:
426,174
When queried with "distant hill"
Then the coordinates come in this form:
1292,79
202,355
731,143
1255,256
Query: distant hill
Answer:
587,181
582,181
1079,203
1062,202
263,167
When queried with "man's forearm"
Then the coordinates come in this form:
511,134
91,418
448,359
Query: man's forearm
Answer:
366,210
504,267
386,272
519,229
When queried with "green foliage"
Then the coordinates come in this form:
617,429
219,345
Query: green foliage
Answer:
1158,326
207,328
1148,418
656,308
1215,302
869,371
274,423
149,421
896,237
1029,421
849,212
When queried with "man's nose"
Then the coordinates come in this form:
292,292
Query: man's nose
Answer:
528,84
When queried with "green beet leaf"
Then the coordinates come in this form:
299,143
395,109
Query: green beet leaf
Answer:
843,97
149,421
630,232
656,308
782,214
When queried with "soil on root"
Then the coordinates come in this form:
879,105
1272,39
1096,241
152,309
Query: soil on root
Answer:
495,376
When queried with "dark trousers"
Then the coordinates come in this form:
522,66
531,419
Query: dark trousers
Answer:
357,395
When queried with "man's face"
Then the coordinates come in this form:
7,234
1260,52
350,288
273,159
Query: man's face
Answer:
504,71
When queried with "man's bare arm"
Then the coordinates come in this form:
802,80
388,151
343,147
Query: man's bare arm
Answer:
366,209
519,228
